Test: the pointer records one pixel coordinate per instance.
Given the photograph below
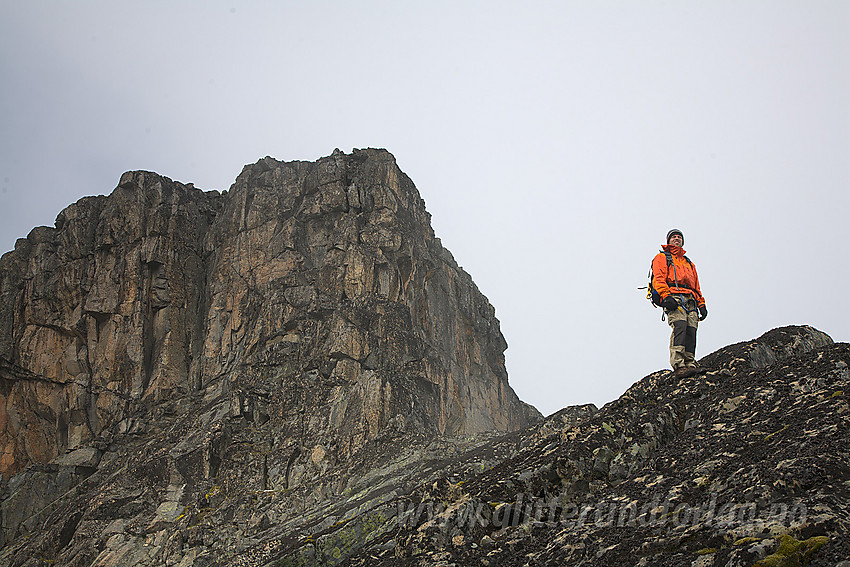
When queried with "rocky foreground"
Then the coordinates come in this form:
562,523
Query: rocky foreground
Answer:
746,465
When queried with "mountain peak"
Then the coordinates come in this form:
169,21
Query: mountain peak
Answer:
321,277
295,371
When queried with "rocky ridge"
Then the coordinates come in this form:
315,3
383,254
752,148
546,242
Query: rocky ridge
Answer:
164,345
307,285
744,466
295,372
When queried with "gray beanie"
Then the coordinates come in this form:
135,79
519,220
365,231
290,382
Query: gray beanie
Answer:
675,231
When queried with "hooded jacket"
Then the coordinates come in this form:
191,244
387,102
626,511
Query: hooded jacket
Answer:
664,277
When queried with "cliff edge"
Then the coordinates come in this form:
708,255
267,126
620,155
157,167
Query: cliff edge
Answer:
311,295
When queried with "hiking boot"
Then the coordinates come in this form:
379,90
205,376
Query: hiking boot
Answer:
684,372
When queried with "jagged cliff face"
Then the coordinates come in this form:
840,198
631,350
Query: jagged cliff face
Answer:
745,466
288,374
311,296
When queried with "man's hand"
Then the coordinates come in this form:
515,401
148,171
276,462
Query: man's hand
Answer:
669,303
703,312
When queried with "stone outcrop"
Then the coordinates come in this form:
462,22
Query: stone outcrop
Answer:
746,465
295,372
312,288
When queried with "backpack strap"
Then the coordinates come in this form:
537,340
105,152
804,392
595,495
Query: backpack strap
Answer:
670,258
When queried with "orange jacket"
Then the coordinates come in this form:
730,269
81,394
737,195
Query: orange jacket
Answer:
664,278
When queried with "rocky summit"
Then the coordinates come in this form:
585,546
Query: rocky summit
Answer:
315,290
275,338
296,372
747,465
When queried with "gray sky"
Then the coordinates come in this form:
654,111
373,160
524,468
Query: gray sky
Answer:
554,143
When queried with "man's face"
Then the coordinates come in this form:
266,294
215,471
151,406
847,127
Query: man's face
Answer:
677,240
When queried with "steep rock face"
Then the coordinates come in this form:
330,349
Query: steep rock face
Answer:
98,316
746,465
310,293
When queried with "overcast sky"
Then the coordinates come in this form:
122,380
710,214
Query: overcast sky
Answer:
554,143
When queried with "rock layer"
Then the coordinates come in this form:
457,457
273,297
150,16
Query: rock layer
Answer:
744,466
316,288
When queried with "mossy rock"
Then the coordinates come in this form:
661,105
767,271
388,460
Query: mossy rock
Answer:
792,552
352,535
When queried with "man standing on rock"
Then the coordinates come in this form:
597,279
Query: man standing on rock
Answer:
675,279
